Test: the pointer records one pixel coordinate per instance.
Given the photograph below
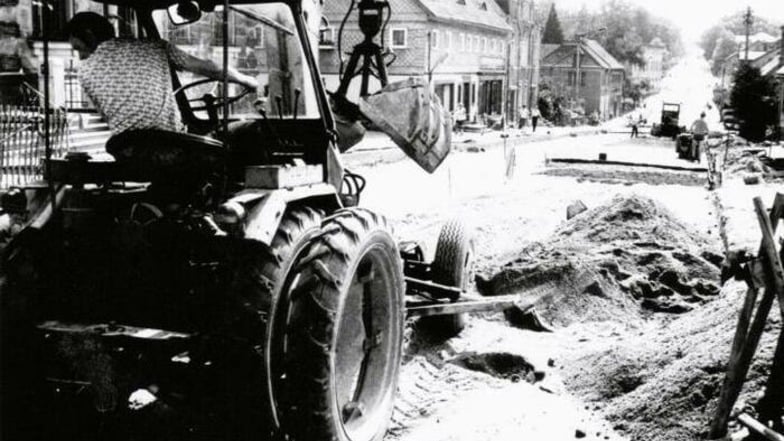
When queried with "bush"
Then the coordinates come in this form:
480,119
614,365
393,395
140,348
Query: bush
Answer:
754,99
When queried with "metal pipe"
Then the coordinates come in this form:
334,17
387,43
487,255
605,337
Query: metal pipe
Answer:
225,29
45,67
759,428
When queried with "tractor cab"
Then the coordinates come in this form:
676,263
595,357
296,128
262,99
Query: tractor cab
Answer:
227,126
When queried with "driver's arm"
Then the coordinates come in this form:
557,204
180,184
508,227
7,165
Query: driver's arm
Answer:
185,61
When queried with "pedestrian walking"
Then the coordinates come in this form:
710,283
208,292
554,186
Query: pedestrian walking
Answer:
535,118
523,117
699,129
635,121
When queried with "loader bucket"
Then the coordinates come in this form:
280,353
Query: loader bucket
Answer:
413,117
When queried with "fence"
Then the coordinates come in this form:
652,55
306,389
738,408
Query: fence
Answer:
22,142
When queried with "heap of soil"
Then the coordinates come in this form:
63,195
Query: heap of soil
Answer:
663,381
614,262
744,160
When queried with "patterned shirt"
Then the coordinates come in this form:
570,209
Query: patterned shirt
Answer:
130,83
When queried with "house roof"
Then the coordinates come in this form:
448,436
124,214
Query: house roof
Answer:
589,47
547,48
758,37
780,72
485,13
601,54
741,55
657,42
771,65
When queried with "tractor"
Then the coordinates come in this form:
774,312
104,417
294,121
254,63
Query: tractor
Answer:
221,283
668,125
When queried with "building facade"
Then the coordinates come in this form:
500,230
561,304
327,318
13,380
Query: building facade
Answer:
655,56
588,75
461,46
524,56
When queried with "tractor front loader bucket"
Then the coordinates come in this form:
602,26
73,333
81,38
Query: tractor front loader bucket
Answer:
413,117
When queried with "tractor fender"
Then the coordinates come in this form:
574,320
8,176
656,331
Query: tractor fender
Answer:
265,208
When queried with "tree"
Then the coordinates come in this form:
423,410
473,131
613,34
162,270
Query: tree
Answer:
552,29
725,46
734,25
754,99
628,28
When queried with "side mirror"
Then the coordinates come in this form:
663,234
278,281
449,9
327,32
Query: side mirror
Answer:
184,12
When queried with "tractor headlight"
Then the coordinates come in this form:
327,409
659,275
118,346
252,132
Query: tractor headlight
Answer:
230,217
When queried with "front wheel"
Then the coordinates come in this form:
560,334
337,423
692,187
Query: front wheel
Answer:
452,265
345,332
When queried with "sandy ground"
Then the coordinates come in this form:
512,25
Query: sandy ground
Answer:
633,375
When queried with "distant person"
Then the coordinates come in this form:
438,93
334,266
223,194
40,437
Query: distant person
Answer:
535,114
459,117
523,117
699,130
634,119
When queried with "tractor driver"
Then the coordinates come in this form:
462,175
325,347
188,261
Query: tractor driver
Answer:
129,81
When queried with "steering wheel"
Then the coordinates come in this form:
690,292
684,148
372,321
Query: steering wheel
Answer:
210,103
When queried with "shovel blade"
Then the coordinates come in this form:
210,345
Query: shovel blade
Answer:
414,118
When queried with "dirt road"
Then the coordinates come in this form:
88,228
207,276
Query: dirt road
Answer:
512,386
442,399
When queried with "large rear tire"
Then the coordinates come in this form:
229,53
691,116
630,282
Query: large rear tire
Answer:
453,266
345,332
261,280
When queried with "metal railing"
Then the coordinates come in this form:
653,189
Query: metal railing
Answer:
22,142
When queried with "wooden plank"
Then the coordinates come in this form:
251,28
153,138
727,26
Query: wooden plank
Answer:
769,246
485,304
759,428
630,164
745,342
771,403
434,289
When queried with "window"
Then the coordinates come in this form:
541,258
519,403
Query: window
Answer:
399,37
572,76
57,20
326,37
434,39
484,45
448,40
582,78
462,42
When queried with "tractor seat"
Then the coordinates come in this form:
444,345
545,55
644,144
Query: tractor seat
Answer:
154,154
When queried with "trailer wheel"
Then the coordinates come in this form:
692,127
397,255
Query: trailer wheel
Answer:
345,332
452,265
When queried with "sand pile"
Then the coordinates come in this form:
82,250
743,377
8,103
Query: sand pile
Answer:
614,262
746,160
663,382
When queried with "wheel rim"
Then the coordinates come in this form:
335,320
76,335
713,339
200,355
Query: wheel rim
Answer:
365,362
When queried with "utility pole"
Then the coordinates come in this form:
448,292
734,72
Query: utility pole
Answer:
577,73
747,20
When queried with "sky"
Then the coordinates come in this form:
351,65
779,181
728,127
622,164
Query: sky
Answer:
693,16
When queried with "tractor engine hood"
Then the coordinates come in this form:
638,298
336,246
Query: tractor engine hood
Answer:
412,115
